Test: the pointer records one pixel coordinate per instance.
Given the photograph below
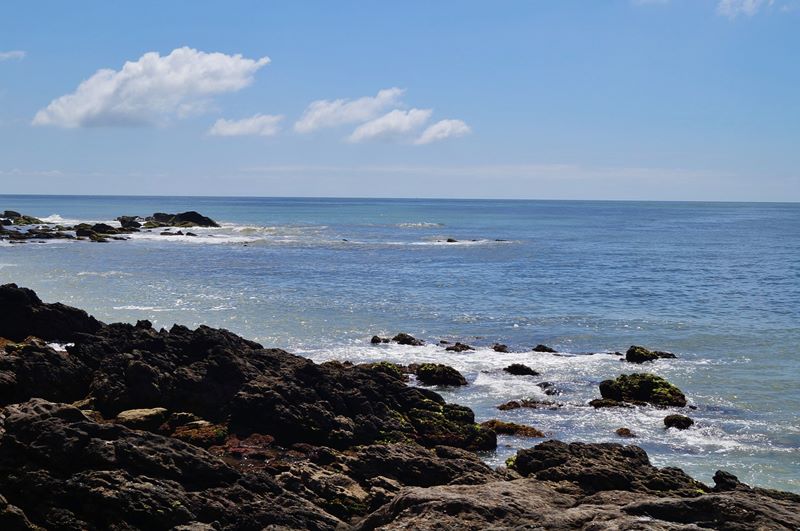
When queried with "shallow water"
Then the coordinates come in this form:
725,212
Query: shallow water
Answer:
716,283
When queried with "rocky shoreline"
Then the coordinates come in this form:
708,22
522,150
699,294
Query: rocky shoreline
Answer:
129,427
19,228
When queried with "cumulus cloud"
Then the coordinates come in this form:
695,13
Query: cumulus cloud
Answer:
258,125
734,8
443,129
331,113
13,54
151,90
391,125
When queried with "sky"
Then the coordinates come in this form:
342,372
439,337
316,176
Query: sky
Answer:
539,99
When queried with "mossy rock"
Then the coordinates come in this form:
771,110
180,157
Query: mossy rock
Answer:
438,374
511,428
642,388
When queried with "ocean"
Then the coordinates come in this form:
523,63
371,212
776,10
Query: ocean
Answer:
718,284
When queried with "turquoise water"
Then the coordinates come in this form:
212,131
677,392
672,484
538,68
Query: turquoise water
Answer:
716,283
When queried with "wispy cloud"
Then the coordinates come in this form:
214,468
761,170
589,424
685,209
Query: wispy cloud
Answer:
258,125
331,113
442,130
13,54
734,8
391,125
151,89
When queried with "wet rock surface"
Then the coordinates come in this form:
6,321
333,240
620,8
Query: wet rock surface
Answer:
137,428
641,388
636,354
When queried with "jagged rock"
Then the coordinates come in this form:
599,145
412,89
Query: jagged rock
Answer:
511,428
129,222
650,498
183,219
405,339
642,388
65,471
606,466
636,354
438,374
549,388
24,314
544,348
680,422
518,369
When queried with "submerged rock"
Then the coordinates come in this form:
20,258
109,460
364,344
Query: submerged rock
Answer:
499,347
534,404
625,432
642,388
636,354
459,347
518,369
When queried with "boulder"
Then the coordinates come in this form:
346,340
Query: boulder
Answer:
129,222
625,432
499,347
143,419
518,369
438,374
642,388
680,422
406,339
636,354
183,219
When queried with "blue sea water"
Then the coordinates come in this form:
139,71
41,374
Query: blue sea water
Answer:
716,283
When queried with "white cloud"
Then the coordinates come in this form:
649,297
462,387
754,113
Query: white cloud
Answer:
13,54
734,8
443,129
393,124
331,113
260,124
151,90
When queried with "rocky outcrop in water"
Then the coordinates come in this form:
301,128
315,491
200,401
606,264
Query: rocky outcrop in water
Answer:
636,354
641,388
28,228
137,428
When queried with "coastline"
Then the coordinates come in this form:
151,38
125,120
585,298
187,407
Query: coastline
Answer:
194,419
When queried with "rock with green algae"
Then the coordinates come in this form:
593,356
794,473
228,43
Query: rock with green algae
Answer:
642,388
637,354
438,374
511,428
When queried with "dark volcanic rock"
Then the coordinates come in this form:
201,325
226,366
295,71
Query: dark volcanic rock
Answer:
599,487
642,388
406,339
543,348
183,219
24,314
438,374
607,466
129,222
511,428
518,369
64,471
499,347
680,422
636,354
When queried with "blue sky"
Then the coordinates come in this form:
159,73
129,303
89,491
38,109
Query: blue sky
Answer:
605,99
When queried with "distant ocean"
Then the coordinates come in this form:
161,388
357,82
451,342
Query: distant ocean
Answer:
716,283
